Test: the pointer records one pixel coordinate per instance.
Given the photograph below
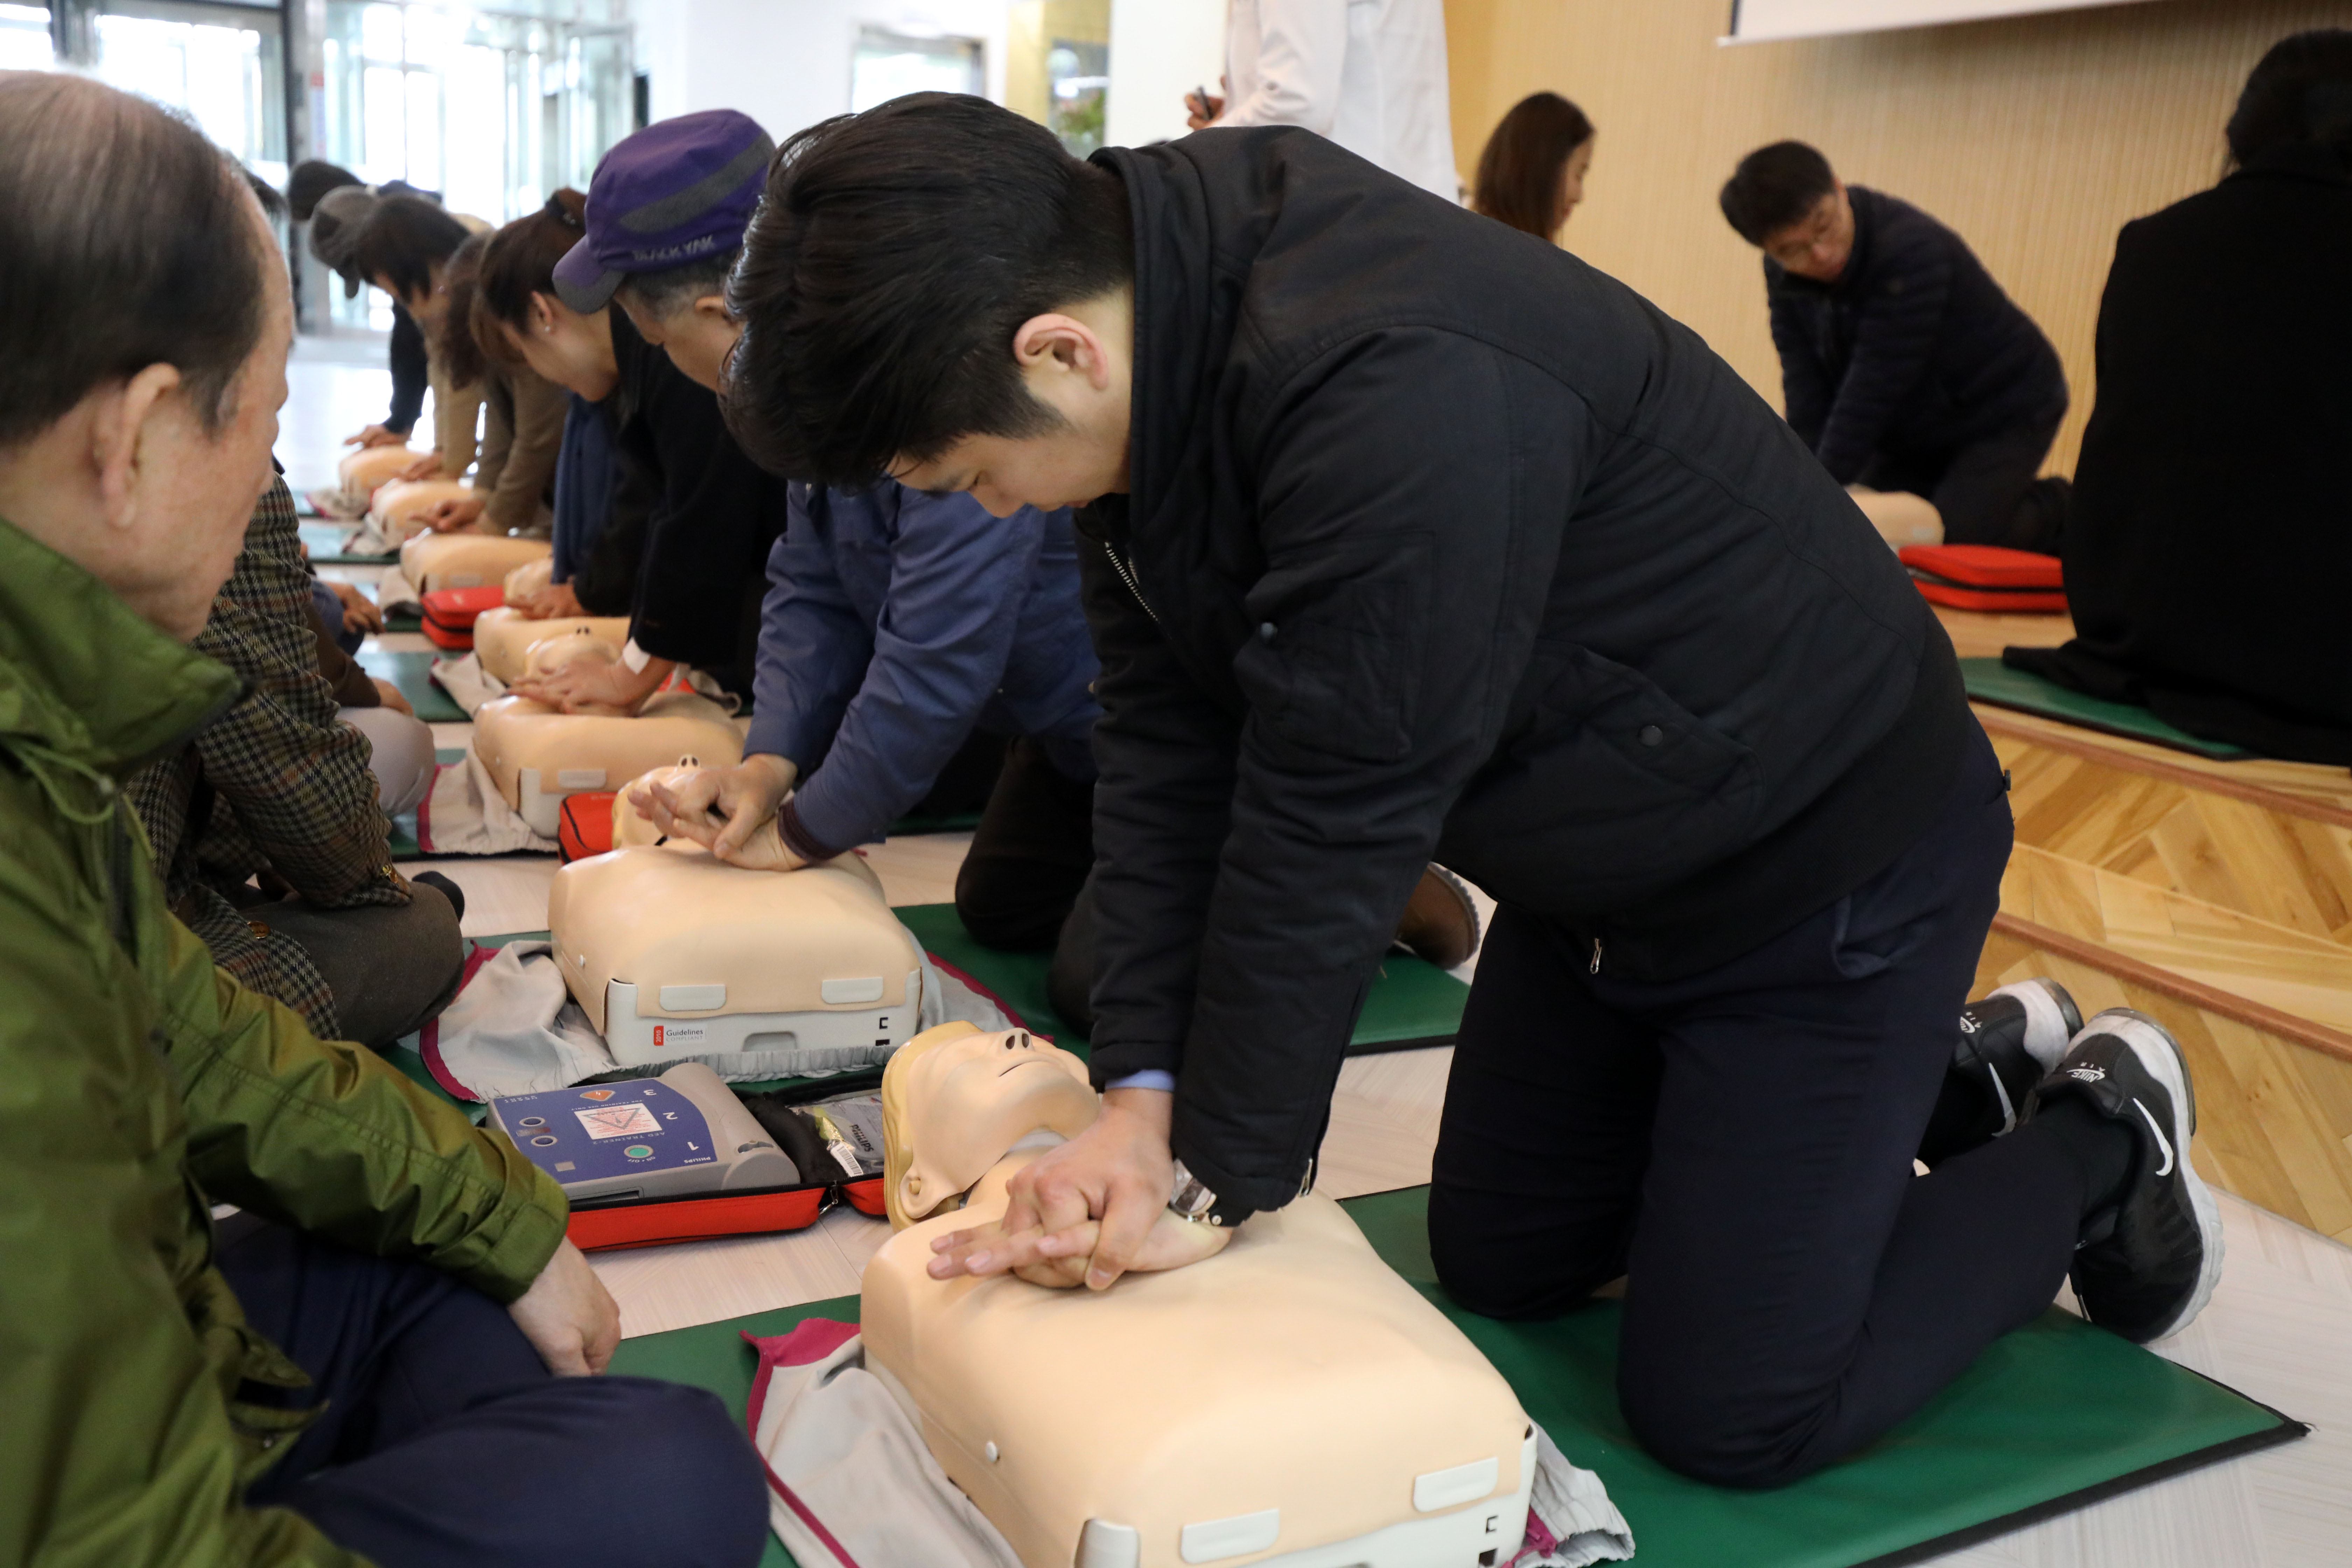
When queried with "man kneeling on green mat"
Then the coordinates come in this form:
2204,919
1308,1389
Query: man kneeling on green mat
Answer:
368,1363
1420,539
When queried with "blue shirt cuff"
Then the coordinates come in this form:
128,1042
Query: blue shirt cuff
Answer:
1149,1077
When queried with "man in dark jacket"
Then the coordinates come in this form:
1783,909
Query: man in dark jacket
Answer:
1412,537
1905,366
2211,546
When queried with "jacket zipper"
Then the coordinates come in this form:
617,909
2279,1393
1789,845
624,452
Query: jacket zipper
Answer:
1596,957
1127,575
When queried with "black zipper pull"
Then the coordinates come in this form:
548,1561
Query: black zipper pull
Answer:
1596,957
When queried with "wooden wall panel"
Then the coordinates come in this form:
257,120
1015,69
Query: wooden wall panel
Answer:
2037,138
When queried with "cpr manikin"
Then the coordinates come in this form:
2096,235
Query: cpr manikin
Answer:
431,562
512,645
675,955
361,472
538,756
398,510
1289,1401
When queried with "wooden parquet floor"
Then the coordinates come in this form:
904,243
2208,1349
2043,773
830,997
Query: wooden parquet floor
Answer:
2216,897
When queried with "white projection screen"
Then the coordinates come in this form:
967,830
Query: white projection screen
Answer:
1760,21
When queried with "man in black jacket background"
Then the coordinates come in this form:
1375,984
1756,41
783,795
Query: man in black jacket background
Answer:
1412,537
1904,366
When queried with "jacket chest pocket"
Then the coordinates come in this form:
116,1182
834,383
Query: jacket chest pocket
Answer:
1334,657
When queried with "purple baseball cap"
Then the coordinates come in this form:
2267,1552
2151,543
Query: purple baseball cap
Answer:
666,196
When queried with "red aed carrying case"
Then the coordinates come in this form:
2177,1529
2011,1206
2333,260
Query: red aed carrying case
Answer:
1986,577
583,824
449,614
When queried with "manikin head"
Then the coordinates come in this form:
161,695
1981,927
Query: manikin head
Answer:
1785,200
144,329
665,220
1532,175
955,1101
935,291
518,317
632,828
580,645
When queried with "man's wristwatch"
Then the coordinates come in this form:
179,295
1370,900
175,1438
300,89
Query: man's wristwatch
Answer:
1191,1198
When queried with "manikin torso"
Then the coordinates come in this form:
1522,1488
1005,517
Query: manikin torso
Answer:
1290,1399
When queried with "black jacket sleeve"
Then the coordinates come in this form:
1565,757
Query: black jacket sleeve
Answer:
1805,386
1894,347
1402,587
408,372
707,538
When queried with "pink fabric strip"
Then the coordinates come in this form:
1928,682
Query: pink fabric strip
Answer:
424,808
428,1039
811,1340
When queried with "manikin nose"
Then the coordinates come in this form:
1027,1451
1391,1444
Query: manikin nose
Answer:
1018,1040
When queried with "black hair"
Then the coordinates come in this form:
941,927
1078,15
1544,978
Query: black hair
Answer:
127,244
1773,187
400,242
662,295
892,259
273,205
2300,95
1518,173
519,261
310,179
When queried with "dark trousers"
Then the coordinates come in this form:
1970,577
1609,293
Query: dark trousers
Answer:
1990,492
446,1443
1739,1143
1031,854
390,967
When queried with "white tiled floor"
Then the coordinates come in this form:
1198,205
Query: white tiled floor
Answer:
2279,1327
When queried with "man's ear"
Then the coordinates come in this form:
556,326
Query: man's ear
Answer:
123,439
714,308
1066,341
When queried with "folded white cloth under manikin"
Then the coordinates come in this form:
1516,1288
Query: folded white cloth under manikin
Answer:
850,1483
464,813
392,591
515,1029
466,682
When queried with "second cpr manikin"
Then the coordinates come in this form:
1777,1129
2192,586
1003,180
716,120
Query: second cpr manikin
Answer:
1288,1403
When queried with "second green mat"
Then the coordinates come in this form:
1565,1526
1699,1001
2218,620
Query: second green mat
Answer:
412,673
2053,1417
1990,681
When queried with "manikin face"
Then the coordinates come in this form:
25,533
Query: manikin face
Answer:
574,351
1078,363
697,338
968,1099
1572,177
1818,245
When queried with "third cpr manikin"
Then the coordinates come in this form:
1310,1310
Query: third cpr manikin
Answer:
1289,1402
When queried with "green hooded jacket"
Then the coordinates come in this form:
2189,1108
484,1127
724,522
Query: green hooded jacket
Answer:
139,1086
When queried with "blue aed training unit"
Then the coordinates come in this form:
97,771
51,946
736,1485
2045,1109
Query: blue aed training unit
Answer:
672,1136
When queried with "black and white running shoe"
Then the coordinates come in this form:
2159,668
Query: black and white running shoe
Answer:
2147,1263
2013,1039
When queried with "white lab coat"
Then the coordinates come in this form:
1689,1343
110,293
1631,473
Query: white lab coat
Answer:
1368,74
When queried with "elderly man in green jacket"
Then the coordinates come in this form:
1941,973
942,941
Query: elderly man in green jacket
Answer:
360,1365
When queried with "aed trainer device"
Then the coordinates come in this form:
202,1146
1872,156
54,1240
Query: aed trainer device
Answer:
678,1135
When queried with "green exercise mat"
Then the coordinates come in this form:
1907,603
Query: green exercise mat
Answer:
324,541
1411,1002
2052,1418
410,672
1989,681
